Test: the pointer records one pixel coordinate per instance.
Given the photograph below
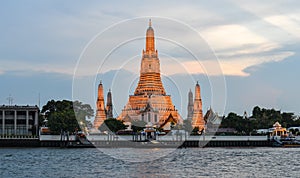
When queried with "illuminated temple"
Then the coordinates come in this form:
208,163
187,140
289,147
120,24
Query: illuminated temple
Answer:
150,103
197,116
103,113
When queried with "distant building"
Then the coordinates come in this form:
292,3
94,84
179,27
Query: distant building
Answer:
109,106
278,130
100,113
190,105
198,120
213,121
19,120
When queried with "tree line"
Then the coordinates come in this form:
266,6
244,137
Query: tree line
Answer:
66,115
73,116
261,118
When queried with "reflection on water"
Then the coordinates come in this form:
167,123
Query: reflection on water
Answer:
136,154
192,162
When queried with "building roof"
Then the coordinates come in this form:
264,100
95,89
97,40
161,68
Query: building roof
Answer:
18,107
170,119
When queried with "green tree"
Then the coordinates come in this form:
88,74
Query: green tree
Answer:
241,125
261,118
296,131
82,113
195,131
112,125
256,112
293,131
265,118
187,125
138,125
65,115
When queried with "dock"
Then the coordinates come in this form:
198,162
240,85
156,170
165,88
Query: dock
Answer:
126,142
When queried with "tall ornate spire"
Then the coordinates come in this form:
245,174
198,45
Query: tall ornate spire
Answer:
100,96
150,80
150,43
198,120
109,106
150,102
197,92
100,114
190,105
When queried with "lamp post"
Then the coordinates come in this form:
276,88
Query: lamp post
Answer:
203,133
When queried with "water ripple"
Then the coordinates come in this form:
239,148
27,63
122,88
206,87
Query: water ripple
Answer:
192,162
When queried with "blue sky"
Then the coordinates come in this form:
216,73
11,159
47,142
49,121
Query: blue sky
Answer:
256,44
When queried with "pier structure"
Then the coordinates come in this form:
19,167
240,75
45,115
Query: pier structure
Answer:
117,141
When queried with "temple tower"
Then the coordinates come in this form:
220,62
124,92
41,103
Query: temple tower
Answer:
190,105
109,105
100,113
150,102
150,81
198,120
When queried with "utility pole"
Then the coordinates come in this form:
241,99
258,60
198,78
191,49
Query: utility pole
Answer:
39,102
10,100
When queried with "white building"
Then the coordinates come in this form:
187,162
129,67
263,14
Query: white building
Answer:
18,120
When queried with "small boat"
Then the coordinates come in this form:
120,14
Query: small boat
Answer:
286,141
289,141
293,144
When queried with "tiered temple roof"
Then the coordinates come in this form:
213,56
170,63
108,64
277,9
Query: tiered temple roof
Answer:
150,90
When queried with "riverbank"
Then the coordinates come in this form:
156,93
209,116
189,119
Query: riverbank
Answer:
126,142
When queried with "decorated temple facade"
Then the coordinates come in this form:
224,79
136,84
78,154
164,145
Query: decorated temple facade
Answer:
150,103
103,112
100,113
109,105
190,106
197,119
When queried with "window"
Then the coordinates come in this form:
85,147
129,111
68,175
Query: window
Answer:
9,129
149,117
21,130
155,118
142,117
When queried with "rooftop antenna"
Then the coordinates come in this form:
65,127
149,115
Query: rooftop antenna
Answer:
10,100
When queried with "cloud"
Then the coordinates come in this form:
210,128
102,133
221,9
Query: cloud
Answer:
30,67
237,66
47,46
248,37
234,66
239,48
289,22
231,36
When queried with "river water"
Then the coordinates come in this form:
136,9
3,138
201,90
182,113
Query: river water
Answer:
125,162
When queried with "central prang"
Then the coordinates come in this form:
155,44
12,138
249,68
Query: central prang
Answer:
150,102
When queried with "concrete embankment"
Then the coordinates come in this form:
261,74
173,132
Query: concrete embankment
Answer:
20,142
120,141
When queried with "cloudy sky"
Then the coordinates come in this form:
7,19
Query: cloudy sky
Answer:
243,53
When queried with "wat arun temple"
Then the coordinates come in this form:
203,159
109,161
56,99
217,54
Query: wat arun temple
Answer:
150,102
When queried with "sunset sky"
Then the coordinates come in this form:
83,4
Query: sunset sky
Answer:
254,43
